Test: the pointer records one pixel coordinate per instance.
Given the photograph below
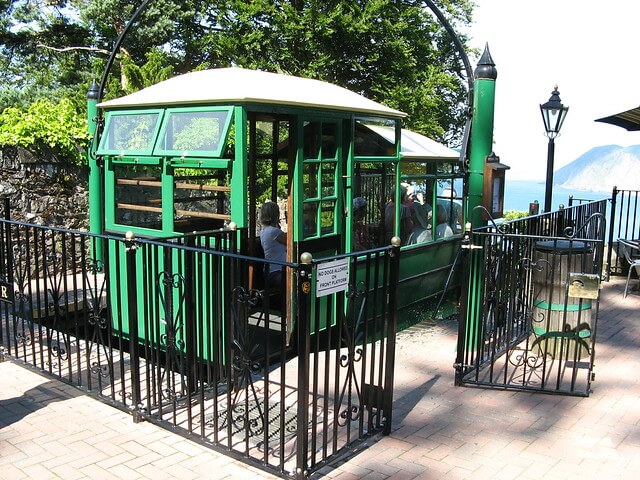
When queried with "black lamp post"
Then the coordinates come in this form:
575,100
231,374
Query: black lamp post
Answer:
553,114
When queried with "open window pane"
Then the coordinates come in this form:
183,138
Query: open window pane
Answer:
129,133
194,131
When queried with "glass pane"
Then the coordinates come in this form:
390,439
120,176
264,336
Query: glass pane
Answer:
264,137
449,208
194,131
328,179
373,182
310,180
329,140
201,199
130,132
138,196
375,138
310,220
327,217
311,139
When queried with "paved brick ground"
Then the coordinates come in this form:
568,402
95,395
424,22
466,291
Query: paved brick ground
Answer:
50,430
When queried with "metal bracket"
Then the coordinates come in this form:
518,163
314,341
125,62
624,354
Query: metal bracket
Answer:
584,285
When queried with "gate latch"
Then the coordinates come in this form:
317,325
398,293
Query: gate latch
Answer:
584,285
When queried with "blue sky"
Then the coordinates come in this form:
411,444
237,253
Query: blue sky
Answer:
588,48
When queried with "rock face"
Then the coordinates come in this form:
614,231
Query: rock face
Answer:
601,169
44,191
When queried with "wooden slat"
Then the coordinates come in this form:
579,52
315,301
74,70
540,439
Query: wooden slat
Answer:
140,208
139,182
218,216
181,185
208,188
145,208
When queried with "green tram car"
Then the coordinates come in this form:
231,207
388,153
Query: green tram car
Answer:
205,150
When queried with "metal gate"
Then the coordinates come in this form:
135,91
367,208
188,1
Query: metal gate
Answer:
624,224
173,331
530,302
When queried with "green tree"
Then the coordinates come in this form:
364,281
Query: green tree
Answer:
393,51
49,128
43,52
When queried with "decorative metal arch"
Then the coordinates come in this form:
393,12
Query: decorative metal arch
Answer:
441,18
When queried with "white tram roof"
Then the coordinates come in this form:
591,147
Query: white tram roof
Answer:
239,85
416,146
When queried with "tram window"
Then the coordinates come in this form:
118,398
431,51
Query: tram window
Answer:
450,199
138,199
373,182
194,132
129,133
312,139
271,162
319,178
310,180
328,179
201,199
310,220
436,191
327,217
329,140
375,138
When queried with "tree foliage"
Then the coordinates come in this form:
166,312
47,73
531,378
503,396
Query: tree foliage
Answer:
46,127
392,51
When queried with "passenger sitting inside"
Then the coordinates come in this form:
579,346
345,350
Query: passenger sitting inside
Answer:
273,241
443,230
421,224
361,235
406,224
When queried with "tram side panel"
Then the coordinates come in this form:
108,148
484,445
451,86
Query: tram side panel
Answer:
179,302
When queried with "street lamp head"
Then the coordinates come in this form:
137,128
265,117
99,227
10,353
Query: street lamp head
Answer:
553,114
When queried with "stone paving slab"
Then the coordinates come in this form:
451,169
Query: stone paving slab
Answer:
50,430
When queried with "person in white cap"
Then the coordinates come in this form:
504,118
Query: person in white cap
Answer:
421,224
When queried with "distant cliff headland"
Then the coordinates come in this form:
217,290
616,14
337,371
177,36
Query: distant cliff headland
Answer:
601,169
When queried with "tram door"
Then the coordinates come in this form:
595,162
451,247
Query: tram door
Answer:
321,225
272,153
321,222
297,163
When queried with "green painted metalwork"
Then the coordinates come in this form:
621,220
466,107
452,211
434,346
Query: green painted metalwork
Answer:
239,169
561,307
96,207
322,173
481,132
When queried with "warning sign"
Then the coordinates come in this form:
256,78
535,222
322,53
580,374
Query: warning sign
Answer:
332,277
6,292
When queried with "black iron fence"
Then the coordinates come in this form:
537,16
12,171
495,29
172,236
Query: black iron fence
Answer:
183,333
624,224
531,302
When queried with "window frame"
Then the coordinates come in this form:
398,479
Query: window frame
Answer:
109,119
217,153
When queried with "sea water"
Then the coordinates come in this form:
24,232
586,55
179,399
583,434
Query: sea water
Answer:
518,194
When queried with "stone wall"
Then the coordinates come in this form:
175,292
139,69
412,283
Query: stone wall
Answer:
44,191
